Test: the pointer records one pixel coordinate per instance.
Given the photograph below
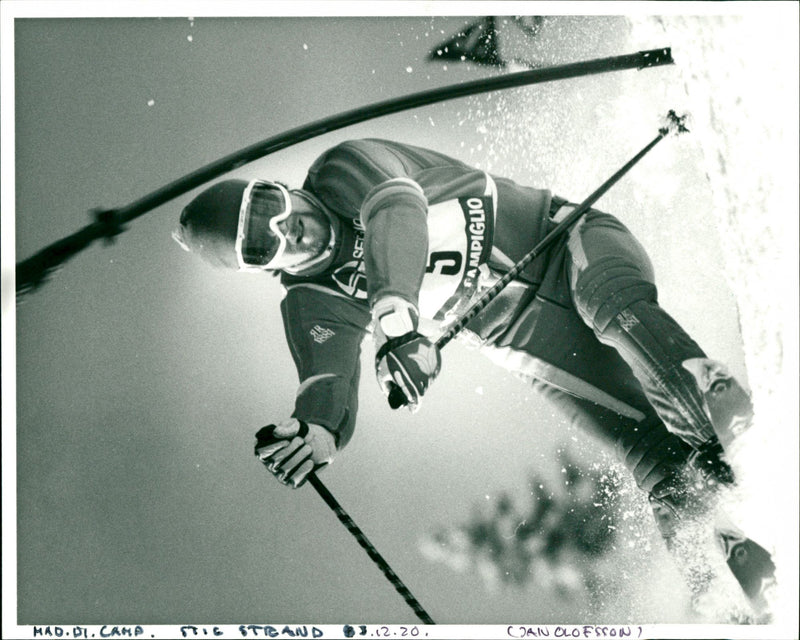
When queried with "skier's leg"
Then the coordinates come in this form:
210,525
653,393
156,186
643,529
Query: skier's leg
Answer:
613,289
660,462
680,486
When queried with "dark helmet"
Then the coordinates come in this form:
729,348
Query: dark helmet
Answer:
209,224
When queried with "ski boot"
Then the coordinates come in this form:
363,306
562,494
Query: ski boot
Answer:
727,404
731,413
751,565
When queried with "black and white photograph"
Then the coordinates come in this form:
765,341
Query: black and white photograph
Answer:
403,319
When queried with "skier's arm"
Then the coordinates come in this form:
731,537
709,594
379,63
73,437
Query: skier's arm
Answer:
394,215
324,333
369,180
396,249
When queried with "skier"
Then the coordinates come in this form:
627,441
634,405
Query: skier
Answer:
396,241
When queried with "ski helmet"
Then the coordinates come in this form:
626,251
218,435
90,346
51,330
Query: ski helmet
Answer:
235,225
209,224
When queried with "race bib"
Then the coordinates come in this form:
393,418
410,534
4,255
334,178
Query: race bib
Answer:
459,244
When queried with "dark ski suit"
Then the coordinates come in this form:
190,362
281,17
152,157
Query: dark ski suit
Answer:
581,323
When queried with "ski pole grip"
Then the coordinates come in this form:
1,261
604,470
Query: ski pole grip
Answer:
397,398
266,435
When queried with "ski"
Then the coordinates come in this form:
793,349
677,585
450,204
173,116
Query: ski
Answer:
751,565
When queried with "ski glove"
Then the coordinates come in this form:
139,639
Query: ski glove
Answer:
292,449
405,367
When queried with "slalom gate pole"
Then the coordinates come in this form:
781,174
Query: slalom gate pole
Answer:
33,271
376,557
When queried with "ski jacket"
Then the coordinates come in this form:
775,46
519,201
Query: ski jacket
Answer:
413,223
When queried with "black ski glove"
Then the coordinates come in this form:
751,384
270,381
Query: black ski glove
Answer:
405,367
292,449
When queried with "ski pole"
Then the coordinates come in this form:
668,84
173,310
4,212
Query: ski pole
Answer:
376,557
674,125
33,271
265,437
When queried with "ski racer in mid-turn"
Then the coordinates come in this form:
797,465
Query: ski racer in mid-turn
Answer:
396,241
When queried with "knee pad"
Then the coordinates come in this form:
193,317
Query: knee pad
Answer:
608,287
654,345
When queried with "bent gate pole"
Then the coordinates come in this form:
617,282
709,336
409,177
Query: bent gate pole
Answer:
33,271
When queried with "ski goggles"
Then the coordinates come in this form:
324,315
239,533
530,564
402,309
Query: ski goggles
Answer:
259,241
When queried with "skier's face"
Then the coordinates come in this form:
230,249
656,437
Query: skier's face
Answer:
307,232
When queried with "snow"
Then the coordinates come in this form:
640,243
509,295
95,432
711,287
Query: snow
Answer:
738,84
735,74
